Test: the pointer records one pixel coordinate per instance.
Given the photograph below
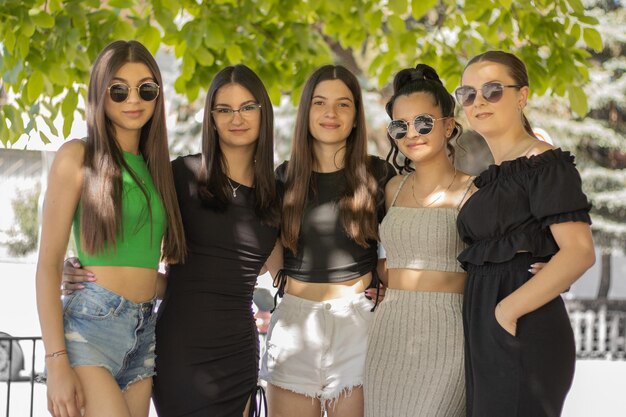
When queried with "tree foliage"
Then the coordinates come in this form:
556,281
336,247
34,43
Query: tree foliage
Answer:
599,138
24,234
47,46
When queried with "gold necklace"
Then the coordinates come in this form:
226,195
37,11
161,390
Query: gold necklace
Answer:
233,188
439,194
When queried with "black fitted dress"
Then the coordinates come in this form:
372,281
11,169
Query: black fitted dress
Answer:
207,342
506,225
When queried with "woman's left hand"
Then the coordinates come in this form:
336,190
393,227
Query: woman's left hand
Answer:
508,324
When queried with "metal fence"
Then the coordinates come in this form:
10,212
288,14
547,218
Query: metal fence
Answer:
599,333
12,363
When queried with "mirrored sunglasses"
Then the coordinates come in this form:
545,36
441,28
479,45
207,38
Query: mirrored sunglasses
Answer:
119,92
423,124
491,91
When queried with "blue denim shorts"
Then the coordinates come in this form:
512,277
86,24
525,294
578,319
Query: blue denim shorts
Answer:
105,329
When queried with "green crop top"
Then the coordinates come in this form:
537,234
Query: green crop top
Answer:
140,243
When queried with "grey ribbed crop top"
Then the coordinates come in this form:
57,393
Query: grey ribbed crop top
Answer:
421,238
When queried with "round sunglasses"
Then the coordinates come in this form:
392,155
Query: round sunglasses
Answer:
491,91
423,124
147,91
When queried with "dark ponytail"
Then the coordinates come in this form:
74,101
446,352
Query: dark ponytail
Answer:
422,78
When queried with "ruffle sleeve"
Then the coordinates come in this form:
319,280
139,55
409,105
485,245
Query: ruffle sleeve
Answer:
555,189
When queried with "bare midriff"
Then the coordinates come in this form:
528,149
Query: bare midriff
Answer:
425,280
327,291
134,284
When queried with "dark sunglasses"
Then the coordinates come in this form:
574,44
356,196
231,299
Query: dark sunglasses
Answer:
119,92
491,91
423,124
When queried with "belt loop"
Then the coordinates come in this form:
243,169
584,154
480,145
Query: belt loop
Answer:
116,313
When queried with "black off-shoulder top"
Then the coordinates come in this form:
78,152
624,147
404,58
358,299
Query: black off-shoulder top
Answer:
515,204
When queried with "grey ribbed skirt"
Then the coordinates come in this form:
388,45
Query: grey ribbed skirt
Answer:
414,364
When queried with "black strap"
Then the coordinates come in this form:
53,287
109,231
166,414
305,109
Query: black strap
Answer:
257,401
279,282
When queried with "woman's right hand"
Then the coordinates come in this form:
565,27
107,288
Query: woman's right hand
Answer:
64,390
74,275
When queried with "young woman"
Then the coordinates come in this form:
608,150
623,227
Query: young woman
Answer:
414,365
332,206
208,349
529,206
117,190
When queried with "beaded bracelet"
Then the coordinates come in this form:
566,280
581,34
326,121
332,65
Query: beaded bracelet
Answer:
55,354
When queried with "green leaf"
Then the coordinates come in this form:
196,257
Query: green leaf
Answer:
589,20
34,86
54,6
172,5
396,24
67,125
506,4
180,84
577,100
399,7
9,40
121,4
44,138
58,75
69,103
188,67
203,56
49,121
420,7
41,19
577,6
123,30
150,37
593,39
28,28
22,46
234,54
575,31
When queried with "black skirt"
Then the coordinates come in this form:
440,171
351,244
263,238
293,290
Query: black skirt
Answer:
207,353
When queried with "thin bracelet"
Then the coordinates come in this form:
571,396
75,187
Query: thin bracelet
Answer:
55,354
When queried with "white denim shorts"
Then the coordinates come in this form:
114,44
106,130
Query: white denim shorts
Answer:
317,348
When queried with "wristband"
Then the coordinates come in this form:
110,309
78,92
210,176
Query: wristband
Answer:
55,354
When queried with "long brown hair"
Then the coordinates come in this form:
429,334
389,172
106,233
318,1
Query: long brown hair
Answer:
213,187
517,71
101,196
357,206
422,78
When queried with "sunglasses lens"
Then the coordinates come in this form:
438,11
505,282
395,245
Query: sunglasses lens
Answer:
397,129
465,95
118,92
492,92
423,124
148,91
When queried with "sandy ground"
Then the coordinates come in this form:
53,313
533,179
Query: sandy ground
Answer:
598,389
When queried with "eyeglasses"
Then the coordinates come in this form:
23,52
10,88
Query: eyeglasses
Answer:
491,91
245,111
119,92
423,124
